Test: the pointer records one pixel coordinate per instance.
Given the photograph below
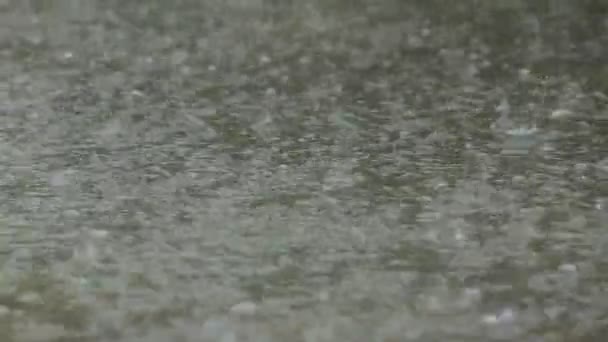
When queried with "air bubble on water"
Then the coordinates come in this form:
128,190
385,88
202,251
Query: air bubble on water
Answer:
472,293
71,213
459,235
137,93
246,308
505,316
270,91
567,268
489,319
553,312
98,233
428,216
561,113
264,59
524,74
324,296
599,203
522,131
548,147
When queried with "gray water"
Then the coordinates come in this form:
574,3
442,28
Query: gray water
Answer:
303,171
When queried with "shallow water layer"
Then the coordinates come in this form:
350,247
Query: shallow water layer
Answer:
303,171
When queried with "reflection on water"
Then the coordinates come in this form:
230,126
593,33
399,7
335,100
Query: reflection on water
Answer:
317,170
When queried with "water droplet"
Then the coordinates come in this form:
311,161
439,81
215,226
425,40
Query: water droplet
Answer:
567,268
489,319
244,309
561,113
29,298
4,311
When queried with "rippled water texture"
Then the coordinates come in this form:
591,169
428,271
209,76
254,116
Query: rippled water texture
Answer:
303,171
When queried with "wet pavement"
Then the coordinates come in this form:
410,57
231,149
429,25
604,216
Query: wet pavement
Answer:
303,171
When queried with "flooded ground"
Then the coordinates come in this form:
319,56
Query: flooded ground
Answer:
303,171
